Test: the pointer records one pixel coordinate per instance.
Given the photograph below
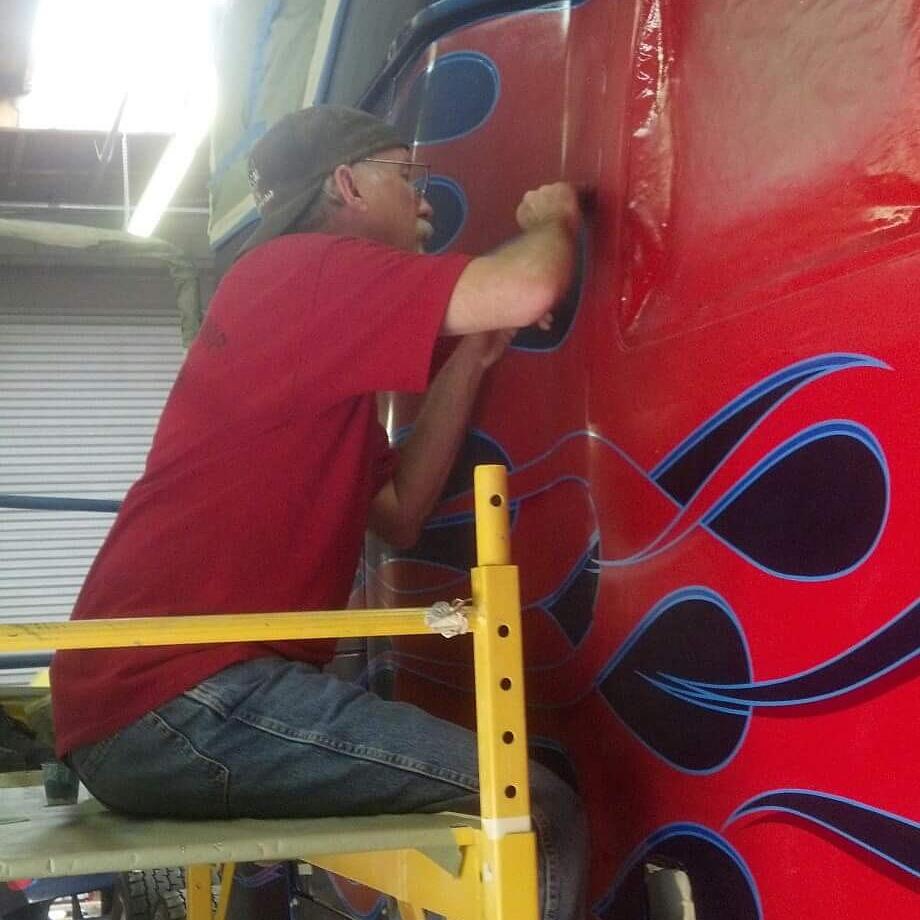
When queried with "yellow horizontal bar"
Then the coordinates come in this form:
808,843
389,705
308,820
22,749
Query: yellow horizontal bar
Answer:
194,630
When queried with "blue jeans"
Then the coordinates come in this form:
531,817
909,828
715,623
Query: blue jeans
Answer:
273,738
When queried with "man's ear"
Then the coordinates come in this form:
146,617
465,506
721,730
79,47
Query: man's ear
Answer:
347,188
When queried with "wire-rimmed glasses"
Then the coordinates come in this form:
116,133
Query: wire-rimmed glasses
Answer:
418,177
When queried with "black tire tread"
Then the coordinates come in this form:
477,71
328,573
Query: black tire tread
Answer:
141,890
170,906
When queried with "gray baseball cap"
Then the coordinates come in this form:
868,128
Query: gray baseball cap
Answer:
289,164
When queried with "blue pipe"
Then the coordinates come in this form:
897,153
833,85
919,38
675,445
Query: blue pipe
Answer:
42,503
11,662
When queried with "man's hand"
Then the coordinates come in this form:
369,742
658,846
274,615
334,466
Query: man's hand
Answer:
518,283
556,202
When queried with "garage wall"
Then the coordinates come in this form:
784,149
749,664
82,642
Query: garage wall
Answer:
87,359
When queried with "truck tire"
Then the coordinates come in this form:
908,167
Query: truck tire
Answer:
135,895
170,905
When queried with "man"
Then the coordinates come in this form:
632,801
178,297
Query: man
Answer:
268,464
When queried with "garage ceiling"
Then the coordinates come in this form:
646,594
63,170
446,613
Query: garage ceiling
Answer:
80,176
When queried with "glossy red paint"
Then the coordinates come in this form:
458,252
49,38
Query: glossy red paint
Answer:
755,170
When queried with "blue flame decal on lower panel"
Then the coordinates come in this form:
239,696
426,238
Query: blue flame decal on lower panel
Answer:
695,632
891,837
723,887
828,486
571,605
695,723
891,647
684,470
816,506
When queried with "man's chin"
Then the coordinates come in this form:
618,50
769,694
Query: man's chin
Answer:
424,232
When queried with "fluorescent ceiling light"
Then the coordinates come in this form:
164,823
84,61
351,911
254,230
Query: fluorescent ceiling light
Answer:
175,161
87,54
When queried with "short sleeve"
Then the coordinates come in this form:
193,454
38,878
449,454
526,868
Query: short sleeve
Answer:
375,317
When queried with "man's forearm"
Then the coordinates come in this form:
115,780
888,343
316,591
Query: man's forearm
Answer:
428,454
515,284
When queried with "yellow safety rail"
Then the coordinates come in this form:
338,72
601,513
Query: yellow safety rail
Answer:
497,879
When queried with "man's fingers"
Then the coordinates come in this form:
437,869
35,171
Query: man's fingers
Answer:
558,201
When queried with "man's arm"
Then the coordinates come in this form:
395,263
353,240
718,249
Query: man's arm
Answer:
514,286
401,507
521,281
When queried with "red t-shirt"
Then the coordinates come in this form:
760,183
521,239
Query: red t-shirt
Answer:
256,491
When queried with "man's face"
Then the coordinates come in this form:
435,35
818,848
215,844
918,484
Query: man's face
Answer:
395,215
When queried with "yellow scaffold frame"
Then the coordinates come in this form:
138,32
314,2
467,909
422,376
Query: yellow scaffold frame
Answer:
497,879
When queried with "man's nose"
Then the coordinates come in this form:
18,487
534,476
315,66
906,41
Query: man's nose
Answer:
425,210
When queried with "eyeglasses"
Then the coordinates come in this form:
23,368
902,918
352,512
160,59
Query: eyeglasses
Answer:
418,177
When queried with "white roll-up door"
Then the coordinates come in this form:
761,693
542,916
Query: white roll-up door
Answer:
86,362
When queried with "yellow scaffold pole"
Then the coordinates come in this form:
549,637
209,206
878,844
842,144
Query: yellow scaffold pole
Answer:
509,865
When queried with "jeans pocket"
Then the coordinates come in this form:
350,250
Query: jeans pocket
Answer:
224,691
152,768
87,760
